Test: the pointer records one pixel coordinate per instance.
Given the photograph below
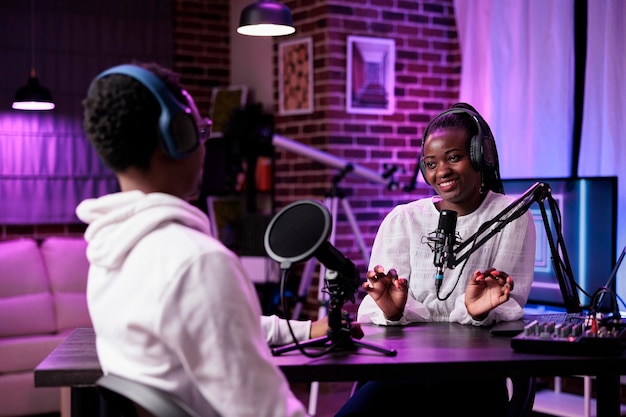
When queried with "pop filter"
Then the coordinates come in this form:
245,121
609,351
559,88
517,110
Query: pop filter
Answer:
297,232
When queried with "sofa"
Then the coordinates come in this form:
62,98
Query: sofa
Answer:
42,299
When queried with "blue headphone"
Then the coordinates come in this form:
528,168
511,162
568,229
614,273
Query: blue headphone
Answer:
177,127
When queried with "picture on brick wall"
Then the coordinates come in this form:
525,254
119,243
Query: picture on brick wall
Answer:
224,101
295,77
370,75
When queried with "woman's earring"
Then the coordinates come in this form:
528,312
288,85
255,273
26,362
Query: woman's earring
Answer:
482,190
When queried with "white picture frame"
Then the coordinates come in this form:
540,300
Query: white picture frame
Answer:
370,75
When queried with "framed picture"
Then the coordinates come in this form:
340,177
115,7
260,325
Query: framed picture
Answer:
295,77
223,101
370,75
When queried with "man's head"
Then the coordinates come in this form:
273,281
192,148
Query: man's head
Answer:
137,116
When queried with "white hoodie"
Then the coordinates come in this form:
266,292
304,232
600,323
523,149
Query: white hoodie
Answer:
173,308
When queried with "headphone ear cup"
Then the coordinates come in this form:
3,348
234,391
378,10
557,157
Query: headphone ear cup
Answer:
179,134
483,152
475,152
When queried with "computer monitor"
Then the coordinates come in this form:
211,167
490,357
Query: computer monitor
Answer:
588,210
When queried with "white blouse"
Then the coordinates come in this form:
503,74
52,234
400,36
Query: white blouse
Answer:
401,243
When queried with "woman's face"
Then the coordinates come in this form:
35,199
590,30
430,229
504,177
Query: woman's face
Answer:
450,171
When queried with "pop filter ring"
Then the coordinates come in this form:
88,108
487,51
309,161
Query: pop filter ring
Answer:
312,244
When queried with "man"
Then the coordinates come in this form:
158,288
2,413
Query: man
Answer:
170,305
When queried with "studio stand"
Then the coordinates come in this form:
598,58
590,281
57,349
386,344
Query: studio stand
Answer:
334,197
339,335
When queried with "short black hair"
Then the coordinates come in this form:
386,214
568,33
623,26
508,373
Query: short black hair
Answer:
121,117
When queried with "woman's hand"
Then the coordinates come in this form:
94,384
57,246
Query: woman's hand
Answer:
388,291
487,290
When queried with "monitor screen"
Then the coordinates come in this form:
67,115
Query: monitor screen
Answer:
588,212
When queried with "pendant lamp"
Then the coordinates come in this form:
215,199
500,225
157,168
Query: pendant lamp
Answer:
33,96
266,18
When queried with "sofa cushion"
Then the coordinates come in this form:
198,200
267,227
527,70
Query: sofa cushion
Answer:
26,305
66,262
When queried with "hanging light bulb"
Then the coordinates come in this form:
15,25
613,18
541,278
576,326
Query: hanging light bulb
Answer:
33,96
266,18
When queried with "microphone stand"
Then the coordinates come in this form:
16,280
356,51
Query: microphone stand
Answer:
537,193
338,335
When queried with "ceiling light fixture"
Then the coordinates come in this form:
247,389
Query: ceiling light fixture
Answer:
33,96
266,18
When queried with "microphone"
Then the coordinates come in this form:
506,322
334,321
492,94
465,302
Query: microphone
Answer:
445,240
341,271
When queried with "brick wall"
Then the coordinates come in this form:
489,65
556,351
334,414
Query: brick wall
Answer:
202,47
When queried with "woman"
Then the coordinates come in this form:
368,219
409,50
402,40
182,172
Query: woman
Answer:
460,161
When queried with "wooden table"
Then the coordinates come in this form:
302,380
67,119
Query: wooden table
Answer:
446,349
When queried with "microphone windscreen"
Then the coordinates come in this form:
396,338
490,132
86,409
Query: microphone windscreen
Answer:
447,220
296,232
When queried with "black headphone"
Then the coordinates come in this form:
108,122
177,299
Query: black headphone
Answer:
483,154
177,128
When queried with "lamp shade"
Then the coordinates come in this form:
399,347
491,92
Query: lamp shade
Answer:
33,96
266,18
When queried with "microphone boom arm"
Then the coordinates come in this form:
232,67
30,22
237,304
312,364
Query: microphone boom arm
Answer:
537,193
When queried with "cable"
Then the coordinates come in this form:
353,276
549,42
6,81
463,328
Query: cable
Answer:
283,279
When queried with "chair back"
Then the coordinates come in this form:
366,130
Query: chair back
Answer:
134,399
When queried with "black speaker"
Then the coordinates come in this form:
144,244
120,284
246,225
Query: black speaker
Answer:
178,129
483,153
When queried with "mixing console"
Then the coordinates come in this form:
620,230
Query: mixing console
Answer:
571,338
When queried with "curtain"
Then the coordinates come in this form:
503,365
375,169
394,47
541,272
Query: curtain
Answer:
603,137
47,165
518,71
